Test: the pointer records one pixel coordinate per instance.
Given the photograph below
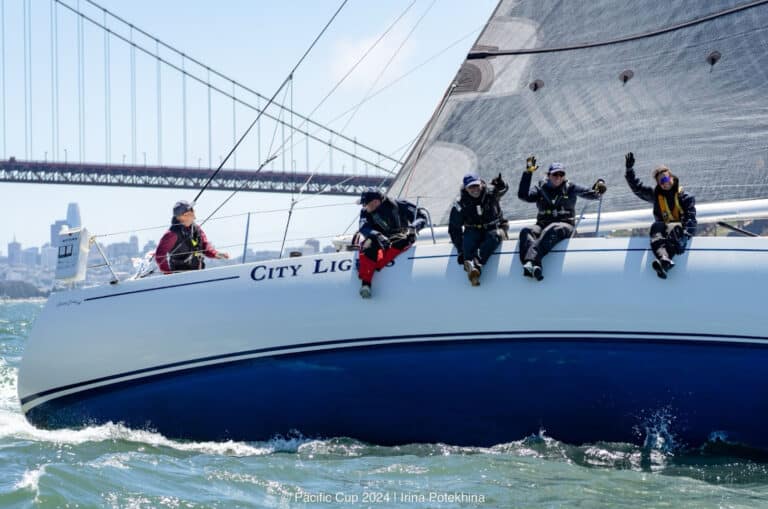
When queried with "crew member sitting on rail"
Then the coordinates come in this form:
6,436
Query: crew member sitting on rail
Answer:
555,198
476,225
388,228
673,209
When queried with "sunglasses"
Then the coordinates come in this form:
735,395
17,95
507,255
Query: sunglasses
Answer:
664,179
558,174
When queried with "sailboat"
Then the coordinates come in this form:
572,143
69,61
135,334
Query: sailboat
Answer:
601,350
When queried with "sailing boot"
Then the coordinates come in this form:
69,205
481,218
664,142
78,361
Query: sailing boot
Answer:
473,272
537,273
528,269
659,268
667,264
365,290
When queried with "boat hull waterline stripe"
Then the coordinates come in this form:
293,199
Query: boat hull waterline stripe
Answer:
512,336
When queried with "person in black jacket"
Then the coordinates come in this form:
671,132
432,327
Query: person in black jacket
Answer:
476,224
673,209
387,227
555,198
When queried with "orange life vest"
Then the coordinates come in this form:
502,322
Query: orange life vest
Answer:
673,215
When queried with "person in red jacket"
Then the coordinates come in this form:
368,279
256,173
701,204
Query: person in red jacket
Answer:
184,245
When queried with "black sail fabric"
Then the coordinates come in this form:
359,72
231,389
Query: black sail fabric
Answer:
681,83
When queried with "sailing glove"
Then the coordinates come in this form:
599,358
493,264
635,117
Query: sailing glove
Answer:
498,182
629,160
411,235
599,187
530,164
383,241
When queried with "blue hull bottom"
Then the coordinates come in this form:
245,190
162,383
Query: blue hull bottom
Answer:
479,392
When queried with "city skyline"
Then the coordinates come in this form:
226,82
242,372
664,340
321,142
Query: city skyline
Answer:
235,44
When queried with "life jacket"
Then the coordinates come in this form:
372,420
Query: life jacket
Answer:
676,213
386,218
556,205
187,253
481,213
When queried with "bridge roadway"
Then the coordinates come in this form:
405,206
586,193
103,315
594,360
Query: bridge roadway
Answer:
95,174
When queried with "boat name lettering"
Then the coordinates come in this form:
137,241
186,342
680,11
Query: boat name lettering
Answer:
69,302
340,265
319,266
261,272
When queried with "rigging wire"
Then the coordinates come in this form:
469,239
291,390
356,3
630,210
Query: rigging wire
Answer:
261,167
285,81
413,69
340,82
653,33
262,111
219,218
389,62
213,71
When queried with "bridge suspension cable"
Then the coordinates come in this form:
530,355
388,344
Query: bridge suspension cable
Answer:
271,99
307,119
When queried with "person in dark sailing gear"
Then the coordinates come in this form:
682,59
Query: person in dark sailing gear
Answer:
555,198
476,224
674,212
387,227
184,245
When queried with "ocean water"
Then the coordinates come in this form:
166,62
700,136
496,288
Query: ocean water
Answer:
113,466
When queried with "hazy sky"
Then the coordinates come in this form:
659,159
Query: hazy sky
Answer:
254,42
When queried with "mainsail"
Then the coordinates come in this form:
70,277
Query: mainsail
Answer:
682,83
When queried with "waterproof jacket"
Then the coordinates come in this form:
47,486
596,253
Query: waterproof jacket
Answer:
555,204
183,248
482,213
673,205
391,217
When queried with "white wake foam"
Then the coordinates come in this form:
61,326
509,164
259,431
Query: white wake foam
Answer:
31,480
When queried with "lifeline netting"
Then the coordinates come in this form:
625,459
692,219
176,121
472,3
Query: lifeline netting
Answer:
708,123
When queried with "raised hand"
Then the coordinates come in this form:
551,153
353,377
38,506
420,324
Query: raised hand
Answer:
629,160
498,182
530,164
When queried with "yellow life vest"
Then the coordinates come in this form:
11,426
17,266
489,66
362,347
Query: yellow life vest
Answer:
673,215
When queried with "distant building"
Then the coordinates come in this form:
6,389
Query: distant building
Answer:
30,257
48,257
123,249
14,252
73,215
149,246
314,244
265,255
329,249
55,229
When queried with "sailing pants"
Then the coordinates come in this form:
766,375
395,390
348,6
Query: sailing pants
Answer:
374,257
535,242
665,239
480,243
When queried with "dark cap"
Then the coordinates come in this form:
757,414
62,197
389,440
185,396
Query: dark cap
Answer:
181,207
471,179
369,195
556,168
